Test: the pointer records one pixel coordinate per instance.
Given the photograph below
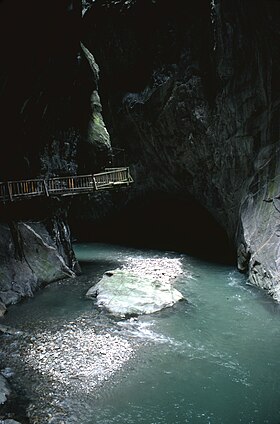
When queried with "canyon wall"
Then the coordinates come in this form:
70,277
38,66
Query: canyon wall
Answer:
51,125
191,91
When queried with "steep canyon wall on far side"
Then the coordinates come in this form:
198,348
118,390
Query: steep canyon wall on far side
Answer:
191,91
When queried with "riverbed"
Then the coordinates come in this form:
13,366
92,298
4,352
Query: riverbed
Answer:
212,358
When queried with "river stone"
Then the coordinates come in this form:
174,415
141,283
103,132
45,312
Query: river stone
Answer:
9,422
4,390
123,293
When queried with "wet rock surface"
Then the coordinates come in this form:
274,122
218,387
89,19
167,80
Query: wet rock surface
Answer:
30,261
4,329
2,309
8,401
12,405
5,390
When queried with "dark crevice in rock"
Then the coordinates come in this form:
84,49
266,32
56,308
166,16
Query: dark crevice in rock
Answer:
17,239
60,233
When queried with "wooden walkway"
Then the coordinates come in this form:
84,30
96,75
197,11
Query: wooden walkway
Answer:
65,186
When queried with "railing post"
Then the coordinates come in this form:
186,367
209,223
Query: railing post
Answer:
94,188
10,191
46,188
3,191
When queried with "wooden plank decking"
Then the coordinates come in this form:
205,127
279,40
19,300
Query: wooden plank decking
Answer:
65,186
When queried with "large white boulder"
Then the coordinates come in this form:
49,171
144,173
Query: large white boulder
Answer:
123,292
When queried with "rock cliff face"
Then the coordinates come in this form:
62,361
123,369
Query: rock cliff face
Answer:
192,93
51,124
33,255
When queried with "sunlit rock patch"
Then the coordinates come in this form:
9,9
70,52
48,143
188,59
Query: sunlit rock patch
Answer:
143,286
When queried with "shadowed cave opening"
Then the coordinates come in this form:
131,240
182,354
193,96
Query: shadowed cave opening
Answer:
161,221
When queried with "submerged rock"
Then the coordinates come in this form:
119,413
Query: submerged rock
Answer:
123,292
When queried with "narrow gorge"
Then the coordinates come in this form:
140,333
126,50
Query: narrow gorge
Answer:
187,95
191,97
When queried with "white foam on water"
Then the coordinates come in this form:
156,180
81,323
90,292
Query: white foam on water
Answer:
143,331
233,279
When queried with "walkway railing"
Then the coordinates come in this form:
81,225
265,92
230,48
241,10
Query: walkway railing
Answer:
65,186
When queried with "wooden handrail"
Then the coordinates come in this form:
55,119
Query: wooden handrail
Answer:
70,185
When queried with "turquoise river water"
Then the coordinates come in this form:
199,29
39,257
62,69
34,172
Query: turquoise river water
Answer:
214,358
